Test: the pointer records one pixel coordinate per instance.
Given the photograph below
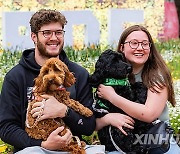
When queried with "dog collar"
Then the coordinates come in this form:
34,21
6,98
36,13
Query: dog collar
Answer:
116,82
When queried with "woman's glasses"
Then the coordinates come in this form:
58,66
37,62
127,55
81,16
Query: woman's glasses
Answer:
134,44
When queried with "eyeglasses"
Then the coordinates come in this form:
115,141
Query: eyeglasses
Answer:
49,33
134,44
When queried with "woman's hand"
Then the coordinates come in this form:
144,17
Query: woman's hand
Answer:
49,107
117,120
57,142
105,92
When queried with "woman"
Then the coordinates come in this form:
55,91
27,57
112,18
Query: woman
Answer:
148,67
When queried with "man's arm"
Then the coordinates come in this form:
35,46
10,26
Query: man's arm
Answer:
12,117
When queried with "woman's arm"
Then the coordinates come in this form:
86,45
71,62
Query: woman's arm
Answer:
147,112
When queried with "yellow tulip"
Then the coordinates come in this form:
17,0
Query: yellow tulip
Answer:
3,148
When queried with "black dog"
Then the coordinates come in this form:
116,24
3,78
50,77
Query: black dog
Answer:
112,69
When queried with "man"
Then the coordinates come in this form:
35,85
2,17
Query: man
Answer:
48,36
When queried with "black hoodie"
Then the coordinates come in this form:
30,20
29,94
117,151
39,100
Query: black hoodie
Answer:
16,88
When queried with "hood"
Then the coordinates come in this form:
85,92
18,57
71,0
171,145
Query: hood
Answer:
28,60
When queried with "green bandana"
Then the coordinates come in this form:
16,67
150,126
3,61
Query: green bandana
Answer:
101,104
116,82
113,82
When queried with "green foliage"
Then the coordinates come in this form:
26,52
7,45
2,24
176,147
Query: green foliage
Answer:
87,56
175,121
171,45
174,66
92,139
8,59
171,53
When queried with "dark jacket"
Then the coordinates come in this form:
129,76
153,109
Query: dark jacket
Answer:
17,85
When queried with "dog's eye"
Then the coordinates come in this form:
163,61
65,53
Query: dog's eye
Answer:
46,72
59,71
55,69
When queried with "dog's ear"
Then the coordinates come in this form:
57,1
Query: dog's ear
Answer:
69,77
101,66
40,86
95,79
98,76
122,55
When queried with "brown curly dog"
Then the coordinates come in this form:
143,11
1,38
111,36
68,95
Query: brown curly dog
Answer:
53,78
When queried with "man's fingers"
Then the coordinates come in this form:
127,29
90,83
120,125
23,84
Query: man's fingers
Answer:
42,117
69,139
68,133
37,104
46,96
36,109
36,114
68,136
58,130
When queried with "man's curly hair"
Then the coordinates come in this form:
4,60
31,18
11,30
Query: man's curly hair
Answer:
43,17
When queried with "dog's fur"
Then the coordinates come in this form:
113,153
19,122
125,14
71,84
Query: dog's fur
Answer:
54,77
112,64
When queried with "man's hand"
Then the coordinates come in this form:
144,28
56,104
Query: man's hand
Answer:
51,108
57,142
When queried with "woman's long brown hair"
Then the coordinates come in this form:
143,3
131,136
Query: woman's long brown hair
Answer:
155,71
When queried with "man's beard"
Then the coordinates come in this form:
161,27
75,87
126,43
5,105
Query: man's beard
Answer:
43,52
